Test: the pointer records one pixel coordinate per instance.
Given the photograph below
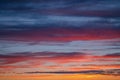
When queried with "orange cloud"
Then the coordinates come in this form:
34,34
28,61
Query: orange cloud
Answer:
61,60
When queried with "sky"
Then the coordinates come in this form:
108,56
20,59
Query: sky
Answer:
60,38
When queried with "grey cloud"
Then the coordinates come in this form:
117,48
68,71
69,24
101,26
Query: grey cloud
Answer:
115,72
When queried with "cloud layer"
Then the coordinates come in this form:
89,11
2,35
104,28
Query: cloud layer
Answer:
60,36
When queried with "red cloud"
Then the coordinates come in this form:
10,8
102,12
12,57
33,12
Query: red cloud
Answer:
35,59
59,34
41,57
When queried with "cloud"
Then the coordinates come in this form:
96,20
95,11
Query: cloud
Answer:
99,47
55,57
10,59
52,35
61,4
51,62
64,4
59,34
103,72
113,55
66,72
59,13
28,20
42,56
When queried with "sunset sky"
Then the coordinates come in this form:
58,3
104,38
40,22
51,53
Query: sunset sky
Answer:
60,39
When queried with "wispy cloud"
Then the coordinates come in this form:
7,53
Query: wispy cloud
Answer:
98,46
65,36
59,34
41,60
103,72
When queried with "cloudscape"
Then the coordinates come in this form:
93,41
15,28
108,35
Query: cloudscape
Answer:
60,39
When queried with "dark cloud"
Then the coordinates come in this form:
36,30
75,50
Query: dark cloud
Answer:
38,12
69,72
113,55
52,54
59,34
103,72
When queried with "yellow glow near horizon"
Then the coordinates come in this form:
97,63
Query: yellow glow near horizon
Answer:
61,77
